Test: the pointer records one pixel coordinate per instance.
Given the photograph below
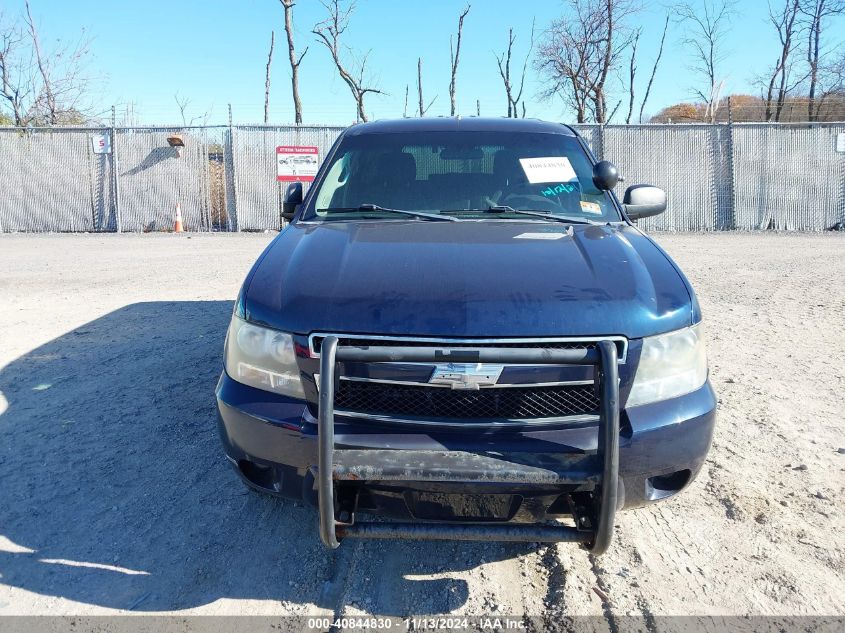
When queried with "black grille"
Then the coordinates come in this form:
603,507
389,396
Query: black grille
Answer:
432,403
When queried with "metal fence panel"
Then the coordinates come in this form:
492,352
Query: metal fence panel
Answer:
153,177
257,192
788,177
683,161
50,180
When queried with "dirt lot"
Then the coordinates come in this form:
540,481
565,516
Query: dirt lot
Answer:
114,494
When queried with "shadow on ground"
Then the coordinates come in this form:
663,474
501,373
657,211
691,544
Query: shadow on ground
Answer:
115,492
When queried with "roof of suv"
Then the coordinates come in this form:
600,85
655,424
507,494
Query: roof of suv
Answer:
455,124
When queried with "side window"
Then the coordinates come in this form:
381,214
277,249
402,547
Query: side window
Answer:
334,180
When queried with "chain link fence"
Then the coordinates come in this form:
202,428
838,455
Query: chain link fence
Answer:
718,177
50,180
151,179
258,194
689,162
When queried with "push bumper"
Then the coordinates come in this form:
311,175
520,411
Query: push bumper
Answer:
273,442
593,512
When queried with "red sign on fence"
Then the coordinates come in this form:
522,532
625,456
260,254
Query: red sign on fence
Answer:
296,163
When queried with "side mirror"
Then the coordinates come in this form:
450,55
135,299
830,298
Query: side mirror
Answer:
605,175
293,198
644,201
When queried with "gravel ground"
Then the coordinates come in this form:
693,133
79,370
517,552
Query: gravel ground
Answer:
114,494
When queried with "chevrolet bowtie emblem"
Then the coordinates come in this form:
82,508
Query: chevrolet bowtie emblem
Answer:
470,376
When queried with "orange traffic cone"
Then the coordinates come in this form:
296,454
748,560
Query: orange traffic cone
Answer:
178,228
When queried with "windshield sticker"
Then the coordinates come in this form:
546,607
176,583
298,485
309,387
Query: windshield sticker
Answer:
548,169
557,190
590,207
543,236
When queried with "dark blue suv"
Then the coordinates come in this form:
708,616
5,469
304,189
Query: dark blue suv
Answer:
461,329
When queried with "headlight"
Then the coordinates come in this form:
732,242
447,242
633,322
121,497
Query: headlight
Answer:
262,358
671,365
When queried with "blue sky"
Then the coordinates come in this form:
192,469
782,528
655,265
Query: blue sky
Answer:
214,52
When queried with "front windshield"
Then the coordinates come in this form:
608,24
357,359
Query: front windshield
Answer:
460,174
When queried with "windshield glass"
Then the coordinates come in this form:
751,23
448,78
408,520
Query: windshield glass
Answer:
462,174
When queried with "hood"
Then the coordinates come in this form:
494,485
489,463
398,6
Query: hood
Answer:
467,279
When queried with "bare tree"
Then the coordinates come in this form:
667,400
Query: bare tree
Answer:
632,75
835,70
15,81
708,22
454,55
43,66
267,78
817,12
580,50
62,76
423,108
184,103
42,85
329,32
654,68
294,60
785,21
832,105
405,111
503,61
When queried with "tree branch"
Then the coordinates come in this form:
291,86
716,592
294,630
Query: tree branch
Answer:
329,33
654,68
267,78
455,57
293,60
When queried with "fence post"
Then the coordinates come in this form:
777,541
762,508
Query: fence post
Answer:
601,141
231,161
118,223
731,180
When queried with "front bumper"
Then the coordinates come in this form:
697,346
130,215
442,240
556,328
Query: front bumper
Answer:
272,442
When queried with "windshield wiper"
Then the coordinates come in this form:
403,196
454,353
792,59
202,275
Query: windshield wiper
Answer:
500,208
537,214
376,208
